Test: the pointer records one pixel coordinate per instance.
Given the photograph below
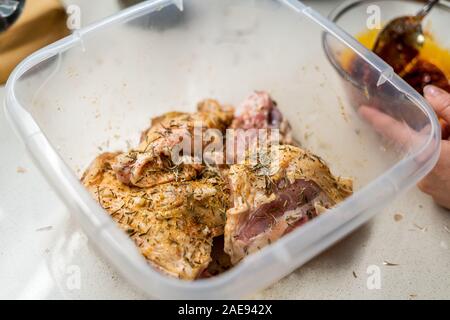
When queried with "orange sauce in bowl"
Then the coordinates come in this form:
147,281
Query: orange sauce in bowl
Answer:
431,50
431,56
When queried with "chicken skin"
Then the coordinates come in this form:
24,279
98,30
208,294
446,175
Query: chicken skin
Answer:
260,111
172,224
153,161
259,124
282,190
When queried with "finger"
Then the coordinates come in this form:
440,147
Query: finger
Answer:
437,182
405,138
388,127
439,100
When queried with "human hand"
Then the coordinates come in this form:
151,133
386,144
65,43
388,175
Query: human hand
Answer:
437,182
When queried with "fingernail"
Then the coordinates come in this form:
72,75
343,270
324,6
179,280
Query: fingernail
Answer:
433,91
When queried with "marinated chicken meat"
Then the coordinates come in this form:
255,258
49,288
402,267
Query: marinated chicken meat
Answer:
152,162
259,111
197,217
285,188
173,224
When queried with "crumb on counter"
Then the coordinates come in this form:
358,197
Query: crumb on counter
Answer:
21,170
46,228
390,264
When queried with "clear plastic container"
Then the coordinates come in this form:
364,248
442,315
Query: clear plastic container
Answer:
97,88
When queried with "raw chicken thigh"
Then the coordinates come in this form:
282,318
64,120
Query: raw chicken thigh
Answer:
172,224
285,188
152,163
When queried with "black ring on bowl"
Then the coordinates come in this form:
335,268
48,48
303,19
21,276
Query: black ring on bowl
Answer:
6,22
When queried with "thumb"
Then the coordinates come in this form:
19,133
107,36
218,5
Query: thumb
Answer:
439,100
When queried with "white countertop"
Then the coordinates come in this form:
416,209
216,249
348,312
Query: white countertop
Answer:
42,250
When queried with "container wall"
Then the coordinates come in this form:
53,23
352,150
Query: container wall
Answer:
101,94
